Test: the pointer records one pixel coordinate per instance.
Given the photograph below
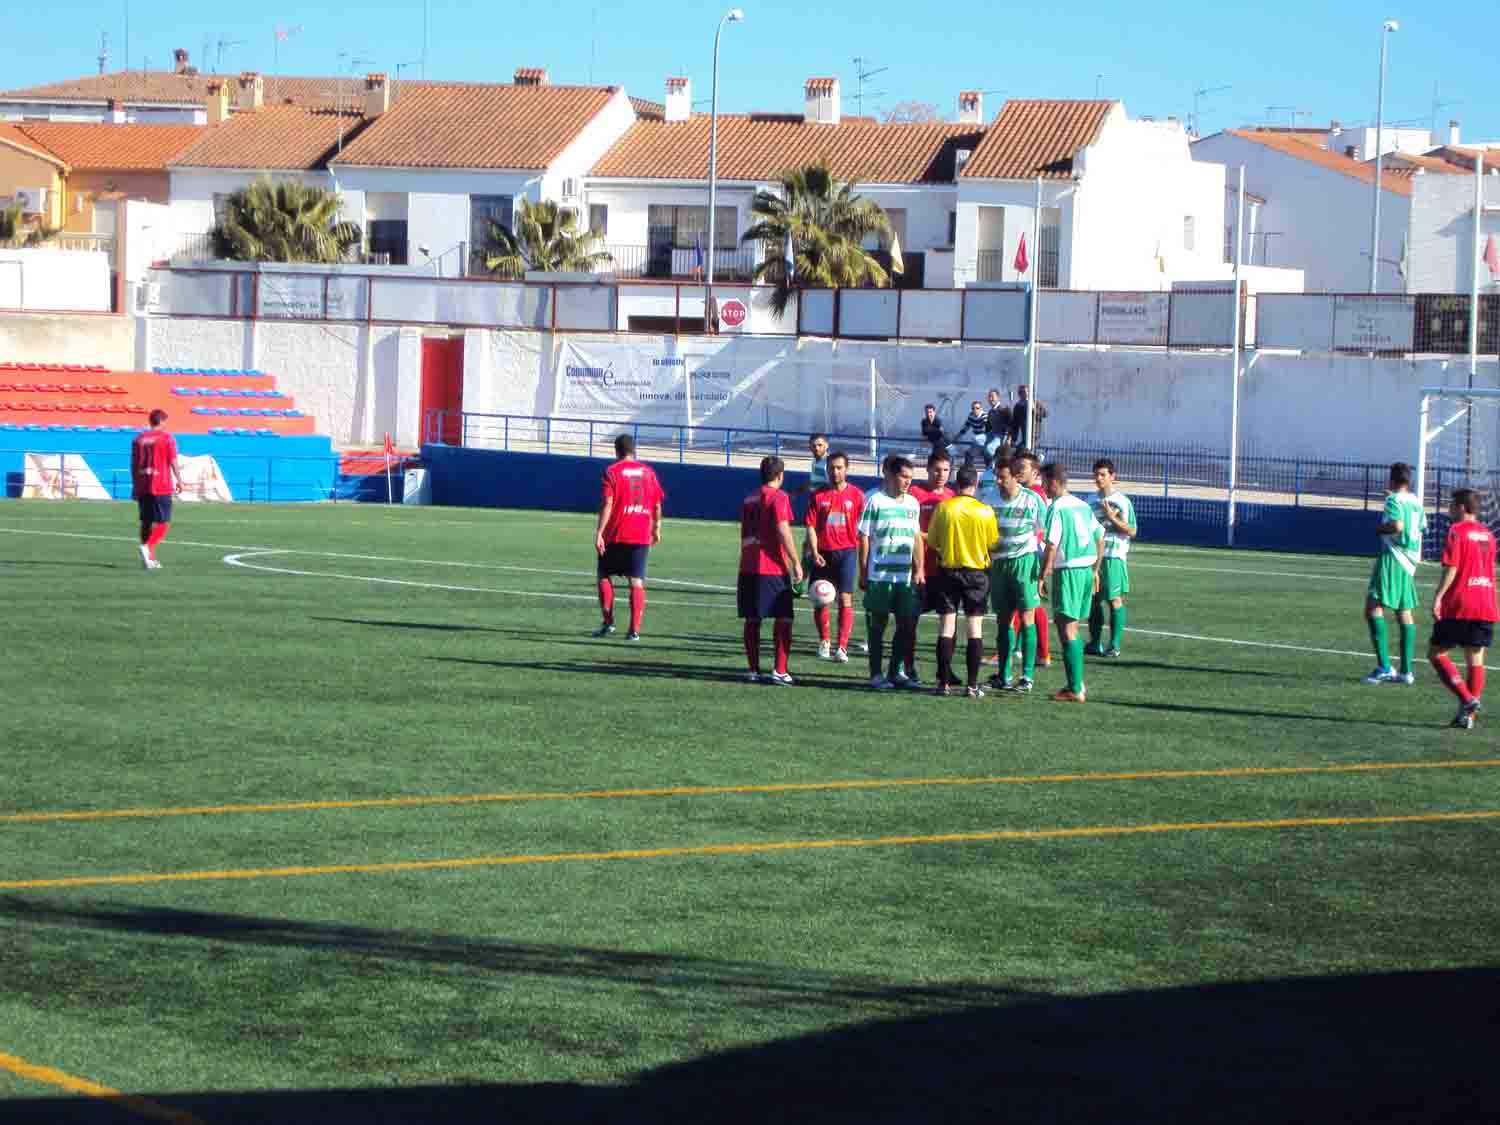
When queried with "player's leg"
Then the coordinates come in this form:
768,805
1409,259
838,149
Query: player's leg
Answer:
877,615
637,607
1043,643
920,604
605,572
1376,599
947,627
906,636
1408,625
1072,593
1447,634
1095,647
747,598
1003,602
776,603
846,566
975,606
1116,586
1029,601
146,513
161,522
1474,675
821,613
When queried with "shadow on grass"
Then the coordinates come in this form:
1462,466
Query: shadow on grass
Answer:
1402,1047
647,669
724,643
1250,713
50,563
1162,666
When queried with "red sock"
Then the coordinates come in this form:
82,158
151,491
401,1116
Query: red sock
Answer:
637,607
1476,680
783,636
846,624
1043,649
607,600
158,533
1450,677
752,644
820,619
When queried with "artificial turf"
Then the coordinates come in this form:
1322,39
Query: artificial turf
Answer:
632,941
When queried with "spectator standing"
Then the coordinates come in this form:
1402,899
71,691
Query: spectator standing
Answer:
1020,436
932,429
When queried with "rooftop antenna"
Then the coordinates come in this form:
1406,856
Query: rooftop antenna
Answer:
1438,105
127,35
208,43
227,45
594,44
282,35
861,76
1098,86
103,52
426,33
355,62
1198,95
1292,113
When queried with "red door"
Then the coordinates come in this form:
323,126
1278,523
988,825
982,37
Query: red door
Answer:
443,389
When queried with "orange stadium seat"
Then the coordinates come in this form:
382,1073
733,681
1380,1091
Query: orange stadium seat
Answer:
48,389
24,388
70,389
116,389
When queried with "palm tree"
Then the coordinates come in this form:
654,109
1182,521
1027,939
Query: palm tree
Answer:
13,228
826,224
284,222
543,237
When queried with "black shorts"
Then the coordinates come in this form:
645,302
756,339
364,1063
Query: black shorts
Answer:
927,594
1459,632
841,568
961,588
154,509
764,595
627,559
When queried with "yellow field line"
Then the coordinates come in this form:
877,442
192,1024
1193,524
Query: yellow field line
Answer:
141,1107
724,790
735,849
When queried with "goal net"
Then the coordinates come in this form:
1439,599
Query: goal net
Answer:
1460,448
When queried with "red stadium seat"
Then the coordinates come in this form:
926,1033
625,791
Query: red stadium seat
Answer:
116,389
48,389
97,389
24,388
5,387
116,408
44,407
89,408
136,408
70,389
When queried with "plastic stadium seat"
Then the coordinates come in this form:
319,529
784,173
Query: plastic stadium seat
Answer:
135,408
48,389
219,431
58,428
35,428
96,389
116,389
266,433
181,391
202,410
106,429
89,408
5,387
70,389
10,428
43,407
83,429
292,414
239,432
114,408
24,388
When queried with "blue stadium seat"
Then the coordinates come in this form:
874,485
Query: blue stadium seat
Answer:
219,431
58,428
241,433
291,414
182,390
266,433
202,410
106,429
35,428
10,427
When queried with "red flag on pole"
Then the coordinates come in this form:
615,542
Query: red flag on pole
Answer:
1492,257
390,446
1021,260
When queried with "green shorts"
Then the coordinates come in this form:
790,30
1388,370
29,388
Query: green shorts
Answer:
1073,592
1013,585
899,598
1391,586
1114,579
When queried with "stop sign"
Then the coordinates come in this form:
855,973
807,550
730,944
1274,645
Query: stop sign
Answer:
732,313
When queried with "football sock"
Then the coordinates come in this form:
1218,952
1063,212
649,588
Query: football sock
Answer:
1096,621
975,657
846,624
782,634
1450,677
1043,645
1076,680
1408,647
752,644
900,649
820,619
1116,626
1007,641
1476,680
1378,640
945,646
158,533
877,644
637,607
607,600
1028,651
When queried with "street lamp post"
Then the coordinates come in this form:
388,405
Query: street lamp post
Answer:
1385,31
734,15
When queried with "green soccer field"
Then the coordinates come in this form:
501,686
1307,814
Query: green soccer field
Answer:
344,816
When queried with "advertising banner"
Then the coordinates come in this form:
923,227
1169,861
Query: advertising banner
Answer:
1133,318
60,476
202,480
1372,324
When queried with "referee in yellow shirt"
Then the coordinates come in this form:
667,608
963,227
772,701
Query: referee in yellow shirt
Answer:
962,533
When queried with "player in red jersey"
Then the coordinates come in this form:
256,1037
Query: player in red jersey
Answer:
1031,477
833,545
768,567
155,477
929,495
629,525
1463,608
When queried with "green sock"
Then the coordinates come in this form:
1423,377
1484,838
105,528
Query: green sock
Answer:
1028,651
1007,642
1116,626
1096,621
1408,647
1067,655
1075,666
1378,639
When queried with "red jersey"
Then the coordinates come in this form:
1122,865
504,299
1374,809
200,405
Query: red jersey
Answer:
636,494
1036,486
760,539
152,455
928,500
835,515
1470,550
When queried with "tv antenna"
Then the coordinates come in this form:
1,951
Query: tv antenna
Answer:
1438,105
1198,95
226,45
103,51
861,76
1292,113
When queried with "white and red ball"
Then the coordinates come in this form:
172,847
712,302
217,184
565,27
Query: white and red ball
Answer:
822,592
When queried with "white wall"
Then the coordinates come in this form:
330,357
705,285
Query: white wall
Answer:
48,338
1322,217
629,202
135,113
55,280
1442,233
584,151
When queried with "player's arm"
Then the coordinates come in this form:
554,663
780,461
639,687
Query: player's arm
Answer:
810,543
1449,574
607,506
864,560
1117,524
656,524
1098,557
789,549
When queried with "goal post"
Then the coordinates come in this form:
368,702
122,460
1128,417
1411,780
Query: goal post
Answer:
1458,446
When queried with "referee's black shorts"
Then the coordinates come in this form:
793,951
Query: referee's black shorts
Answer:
960,588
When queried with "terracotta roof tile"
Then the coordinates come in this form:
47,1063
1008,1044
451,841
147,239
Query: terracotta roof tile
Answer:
94,147
820,85
457,125
169,88
12,136
759,147
646,108
1333,161
276,138
1036,137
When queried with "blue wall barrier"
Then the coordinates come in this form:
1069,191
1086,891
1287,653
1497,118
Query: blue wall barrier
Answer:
485,478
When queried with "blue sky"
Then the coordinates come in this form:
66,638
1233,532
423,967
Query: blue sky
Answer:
1319,57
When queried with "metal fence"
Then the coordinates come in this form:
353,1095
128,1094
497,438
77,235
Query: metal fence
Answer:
251,478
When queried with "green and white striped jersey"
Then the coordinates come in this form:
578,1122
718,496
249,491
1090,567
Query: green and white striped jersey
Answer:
1406,546
891,524
1116,546
1073,530
1020,520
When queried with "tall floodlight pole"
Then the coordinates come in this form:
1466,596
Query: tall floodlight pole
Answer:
1234,351
1385,31
734,15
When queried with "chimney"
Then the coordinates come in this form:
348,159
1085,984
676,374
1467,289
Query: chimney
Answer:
821,101
252,92
971,108
218,103
679,99
377,95
180,60
1453,132
530,76
116,111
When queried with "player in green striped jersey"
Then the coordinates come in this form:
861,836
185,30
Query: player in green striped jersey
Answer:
890,570
1075,553
1393,580
1116,514
1015,585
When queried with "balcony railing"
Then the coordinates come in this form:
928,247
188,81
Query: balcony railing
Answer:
65,240
634,260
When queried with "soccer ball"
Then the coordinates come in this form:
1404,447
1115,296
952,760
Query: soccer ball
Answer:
822,592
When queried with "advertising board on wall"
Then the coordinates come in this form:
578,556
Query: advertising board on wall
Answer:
1372,324
1133,318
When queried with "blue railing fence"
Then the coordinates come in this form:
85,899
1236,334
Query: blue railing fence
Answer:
251,478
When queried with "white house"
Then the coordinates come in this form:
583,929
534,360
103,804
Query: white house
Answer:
1442,243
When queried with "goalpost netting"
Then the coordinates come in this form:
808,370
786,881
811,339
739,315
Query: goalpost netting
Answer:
1459,448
